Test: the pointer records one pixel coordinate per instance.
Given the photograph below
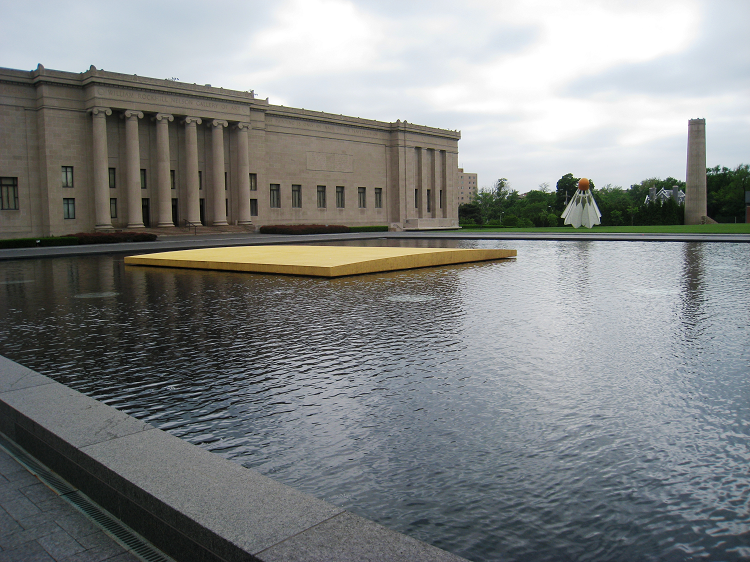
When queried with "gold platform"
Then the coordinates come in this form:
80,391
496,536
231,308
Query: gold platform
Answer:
316,261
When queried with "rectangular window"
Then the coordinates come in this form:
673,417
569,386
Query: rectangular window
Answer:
378,197
226,208
416,199
67,176
146,211
296,196
321,197
225,181
200,179
253,182
143,179
441,198
112,178
253,207
9,194
429,203
175,212
172,179
340,196
113,207
275,196
362,197
69,208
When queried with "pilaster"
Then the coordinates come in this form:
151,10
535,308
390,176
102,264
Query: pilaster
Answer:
191,165
162,170
101,168
133,168
243,171
218,190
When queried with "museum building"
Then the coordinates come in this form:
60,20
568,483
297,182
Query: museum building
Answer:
100,150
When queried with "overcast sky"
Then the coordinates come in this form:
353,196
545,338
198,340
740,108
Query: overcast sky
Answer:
601,89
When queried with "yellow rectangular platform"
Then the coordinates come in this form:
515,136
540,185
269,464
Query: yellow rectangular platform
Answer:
316,261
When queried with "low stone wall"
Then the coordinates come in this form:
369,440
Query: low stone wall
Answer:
188,502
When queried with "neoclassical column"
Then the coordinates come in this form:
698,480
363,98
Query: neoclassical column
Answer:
219,194
162,169
243,169
133,168
101,168
191,156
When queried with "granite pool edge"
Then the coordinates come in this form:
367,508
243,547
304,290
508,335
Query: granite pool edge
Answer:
192,504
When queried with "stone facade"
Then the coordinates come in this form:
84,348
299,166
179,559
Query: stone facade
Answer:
102,150
466,187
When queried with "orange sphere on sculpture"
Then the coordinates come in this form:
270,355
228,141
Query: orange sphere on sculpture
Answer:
583,184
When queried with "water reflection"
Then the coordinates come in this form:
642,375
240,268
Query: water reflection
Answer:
587,400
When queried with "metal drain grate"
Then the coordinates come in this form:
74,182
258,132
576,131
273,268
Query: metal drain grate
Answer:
122,534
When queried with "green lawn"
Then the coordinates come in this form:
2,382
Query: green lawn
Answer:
740,228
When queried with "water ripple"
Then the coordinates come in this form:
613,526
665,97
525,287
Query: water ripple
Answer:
587,401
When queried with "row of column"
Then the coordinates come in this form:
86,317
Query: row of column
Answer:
163,165
430,182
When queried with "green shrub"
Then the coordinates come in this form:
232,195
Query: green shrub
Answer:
33,242
114,237
378,228
59,241
303,229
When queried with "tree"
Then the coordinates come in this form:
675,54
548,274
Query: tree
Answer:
726,192
565,189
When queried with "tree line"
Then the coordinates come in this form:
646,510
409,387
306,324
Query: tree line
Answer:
503,206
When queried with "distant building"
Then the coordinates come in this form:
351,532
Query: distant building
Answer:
467,186
663,195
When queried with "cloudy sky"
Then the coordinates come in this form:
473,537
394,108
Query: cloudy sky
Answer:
601,89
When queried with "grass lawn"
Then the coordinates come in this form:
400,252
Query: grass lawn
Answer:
739,228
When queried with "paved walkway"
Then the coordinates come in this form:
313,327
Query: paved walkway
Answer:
36,525
187,241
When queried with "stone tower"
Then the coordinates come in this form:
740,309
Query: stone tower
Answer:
695,192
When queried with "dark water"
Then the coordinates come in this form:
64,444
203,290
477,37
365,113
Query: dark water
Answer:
587,401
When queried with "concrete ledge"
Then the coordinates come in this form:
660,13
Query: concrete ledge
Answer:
190,503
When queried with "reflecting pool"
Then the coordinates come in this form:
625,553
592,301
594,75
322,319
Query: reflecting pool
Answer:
588,400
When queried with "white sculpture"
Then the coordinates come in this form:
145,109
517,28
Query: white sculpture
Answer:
582,209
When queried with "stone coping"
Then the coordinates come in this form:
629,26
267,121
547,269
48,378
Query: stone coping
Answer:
190,503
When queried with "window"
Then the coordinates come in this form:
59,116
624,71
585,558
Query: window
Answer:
143,179
340,196
297,196
362,197
378,197
9,194
113,207
253,182
225,181
172,179
67,176
321,197
441,198
69,208
112,178
226,207
253,207
429,203
200,179
416,198
275,196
